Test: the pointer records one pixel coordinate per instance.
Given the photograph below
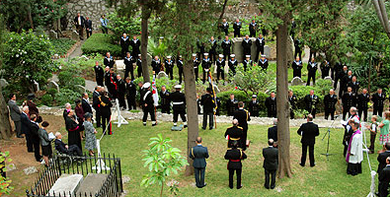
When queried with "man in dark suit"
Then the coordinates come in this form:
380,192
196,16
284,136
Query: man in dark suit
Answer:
231,105
165,101
121,92
384,180
311,101
135,43
243,117
382,158
208,109
79,22
199,154
270,164
61,147
363,100
88,27
330,101
234,133
254,106
273,131
99,74
25,120
349,100
85,103
270,103
308,131
378,99
96,104
235,155
131,91
15,114
34,127
292,99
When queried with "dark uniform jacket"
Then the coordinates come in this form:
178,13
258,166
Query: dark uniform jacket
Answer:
242,116
105,106
325,67
226,46
86,106
178,100
125,43
237,26
354,86
208,103
260,43
270,104
330,101
179,64
254,108
220,64
168,64
263,64
156,65
96,101
235,133
232,64
311,102
131,89
378,100
349,99
235,156
128,61
199,154
206,63
121,87
345,81
312,68
246,44
108,62
293,99
273,133
25,123
382,160
308,131
99,72
147,98
297,66
270,158
384,180
165,98
231,106
135,44
195,63
363,101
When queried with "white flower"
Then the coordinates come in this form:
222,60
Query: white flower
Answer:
18,50
17,55
21,53
25,52
23,62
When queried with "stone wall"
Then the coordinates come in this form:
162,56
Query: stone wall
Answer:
91,8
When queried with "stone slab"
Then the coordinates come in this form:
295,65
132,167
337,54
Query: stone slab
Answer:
91,184
3,83
53,84
297,81
238,50
66,184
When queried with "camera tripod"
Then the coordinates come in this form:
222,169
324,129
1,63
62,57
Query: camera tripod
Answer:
327,154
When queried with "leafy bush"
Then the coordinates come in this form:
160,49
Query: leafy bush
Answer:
254,79
52,91
101,43
240,95
68,80
62,45
27,50
302,91
66,96
157,48
120,25
47,99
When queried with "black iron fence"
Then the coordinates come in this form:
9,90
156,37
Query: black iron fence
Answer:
83,165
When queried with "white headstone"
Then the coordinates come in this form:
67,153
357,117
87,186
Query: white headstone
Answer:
36,86
161,74
53,34
296,81
75,35
53,84
329,79
3,83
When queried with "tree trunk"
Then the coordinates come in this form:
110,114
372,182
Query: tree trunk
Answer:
283,108
5,126
144,41
30,17
223,11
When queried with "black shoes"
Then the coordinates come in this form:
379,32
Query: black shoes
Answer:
301,164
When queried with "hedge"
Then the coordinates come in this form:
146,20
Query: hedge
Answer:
242,96
101,43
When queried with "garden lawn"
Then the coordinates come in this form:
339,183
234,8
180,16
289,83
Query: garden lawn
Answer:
327,178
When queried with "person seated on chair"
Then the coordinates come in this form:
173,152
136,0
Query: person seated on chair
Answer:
61,147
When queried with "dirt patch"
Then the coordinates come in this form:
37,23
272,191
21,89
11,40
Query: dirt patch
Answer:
23,159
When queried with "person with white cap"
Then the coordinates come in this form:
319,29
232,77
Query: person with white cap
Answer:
179,63
247,62
156,65
147,104
254,106
169,66
179,105
263,62
206,64
232,64
196,63
246,45
226,45
139,65
260,43
220,67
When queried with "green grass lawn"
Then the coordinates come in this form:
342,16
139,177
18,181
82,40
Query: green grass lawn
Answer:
327,178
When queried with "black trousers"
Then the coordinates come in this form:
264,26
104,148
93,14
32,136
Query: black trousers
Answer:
18,127
196,74
98,117
336,79
89,33
297,73
211,119
139,71
244,136
166,108
311,76
121,98
258,51
378,111
99,82
292,115
199,176
363,111
205,76
35,142
226,54
311,154
104,30
220,72
29,143
213,56
345,111
252,33
180,75
271,113
329,112
131,102
74,150
372,142
269,173
131,70
231,174
176,114
237,33
170,73
106,120
149,110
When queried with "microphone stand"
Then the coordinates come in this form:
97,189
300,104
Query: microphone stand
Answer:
327,154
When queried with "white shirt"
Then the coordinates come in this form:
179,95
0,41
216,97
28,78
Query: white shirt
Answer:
79,20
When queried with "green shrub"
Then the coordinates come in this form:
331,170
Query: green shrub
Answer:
52,91
101,43
62,45
47,99
66,96
242,96
119,25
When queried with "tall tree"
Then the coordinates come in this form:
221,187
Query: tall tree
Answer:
5,126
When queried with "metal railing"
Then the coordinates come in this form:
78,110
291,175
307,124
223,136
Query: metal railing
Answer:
83,165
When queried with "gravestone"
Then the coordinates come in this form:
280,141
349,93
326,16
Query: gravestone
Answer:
91,184
162,74
53,34
3,83
30,170
267,51
329,79
81,89
238,49
297,81
75,35
36,86
53,84
67,184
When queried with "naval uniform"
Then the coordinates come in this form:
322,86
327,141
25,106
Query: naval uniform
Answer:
220,69
270,103
165,102
179,106
169,68
330,105
128,61
242,116
254,108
